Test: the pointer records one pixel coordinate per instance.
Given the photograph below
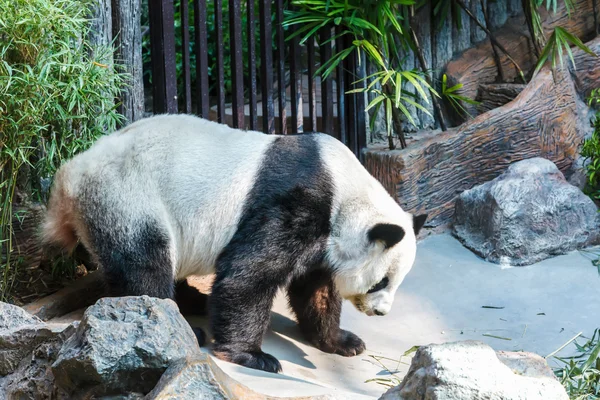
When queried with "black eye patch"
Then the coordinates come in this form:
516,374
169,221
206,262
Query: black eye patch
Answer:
381,285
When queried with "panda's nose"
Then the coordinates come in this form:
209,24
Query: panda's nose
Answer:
378,312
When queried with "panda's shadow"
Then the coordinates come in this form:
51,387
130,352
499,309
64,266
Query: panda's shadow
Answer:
276,340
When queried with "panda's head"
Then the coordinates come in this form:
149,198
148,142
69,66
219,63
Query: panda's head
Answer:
371,255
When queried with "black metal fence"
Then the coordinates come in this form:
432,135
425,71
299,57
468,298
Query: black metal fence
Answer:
287,70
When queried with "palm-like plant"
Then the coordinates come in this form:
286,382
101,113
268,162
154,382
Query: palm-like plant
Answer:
559,42
383,30
373,28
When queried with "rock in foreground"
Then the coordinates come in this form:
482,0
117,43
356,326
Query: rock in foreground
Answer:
124,345
525,215
20,333
472,370
199,377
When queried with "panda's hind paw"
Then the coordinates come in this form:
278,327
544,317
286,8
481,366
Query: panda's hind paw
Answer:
250,359
348,344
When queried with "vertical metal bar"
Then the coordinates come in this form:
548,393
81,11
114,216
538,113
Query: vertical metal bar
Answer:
157,56
220,63
326,84
351,101
185,53
361,121
237,65
266,66
281,86
252,95
201,57
296,86
341,90
312,96
168,24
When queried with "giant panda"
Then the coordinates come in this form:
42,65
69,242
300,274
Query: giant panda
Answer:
174,195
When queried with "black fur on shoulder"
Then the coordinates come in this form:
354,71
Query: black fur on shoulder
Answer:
282,234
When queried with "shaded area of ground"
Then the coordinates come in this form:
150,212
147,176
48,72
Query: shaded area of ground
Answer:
441,300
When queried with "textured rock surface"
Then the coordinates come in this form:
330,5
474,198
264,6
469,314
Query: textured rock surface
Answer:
525,215
33,378
123,345
199,377
428,175
20,333
472,370
476,66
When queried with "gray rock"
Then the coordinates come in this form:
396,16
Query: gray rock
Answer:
525,215
123,345
33,378
472,370
20,333
199,377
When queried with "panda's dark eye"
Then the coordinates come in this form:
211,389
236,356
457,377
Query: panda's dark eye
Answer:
381,285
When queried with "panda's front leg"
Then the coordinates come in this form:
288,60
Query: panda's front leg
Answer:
318,305
240,309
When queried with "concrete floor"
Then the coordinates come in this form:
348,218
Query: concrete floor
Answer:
441,300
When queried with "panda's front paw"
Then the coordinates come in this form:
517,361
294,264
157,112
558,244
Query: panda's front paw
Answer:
251,359
349,344
344,343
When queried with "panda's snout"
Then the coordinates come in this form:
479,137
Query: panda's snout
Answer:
378,312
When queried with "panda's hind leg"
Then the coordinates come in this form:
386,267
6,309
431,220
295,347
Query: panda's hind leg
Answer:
136,260
318,306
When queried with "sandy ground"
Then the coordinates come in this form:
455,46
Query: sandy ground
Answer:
441,299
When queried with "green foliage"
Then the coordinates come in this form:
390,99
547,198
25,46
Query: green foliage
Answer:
580,374
591,152
453,96
378,29
397,96
559,42
56,96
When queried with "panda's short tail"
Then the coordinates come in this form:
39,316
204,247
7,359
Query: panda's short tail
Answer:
58,228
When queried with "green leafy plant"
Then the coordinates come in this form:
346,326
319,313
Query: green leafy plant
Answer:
392,379
56,96
591,152
560,42
580,374
453,96
381,31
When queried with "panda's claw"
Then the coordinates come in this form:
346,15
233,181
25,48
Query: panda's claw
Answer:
250,359
349,344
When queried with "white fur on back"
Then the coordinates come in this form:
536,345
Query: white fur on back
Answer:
193,173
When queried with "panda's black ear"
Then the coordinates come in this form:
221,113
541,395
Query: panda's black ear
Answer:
389,234
418,222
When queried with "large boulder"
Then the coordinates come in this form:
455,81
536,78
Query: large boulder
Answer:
525,215
123,345
472,370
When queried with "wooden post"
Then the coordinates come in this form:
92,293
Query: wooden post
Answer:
127,32
100,23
